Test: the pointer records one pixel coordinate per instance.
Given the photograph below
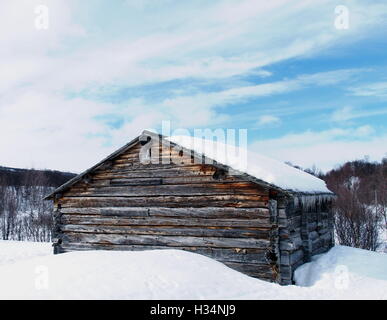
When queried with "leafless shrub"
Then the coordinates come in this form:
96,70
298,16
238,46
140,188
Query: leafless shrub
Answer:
356,223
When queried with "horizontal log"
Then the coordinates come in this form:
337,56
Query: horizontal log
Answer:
285,282
320,250
136,182
167,179
206,212
293,243
151,221
251,267
109,211
284,232
291,257
170,241
253,270
204,180
296,256
257,233
92,183
286,272
155,147
162,170
150,164
223,255
158,158
290,223
135,156
169,190
237,201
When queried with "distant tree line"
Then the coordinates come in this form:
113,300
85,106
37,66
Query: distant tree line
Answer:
23,213
360,207
18,177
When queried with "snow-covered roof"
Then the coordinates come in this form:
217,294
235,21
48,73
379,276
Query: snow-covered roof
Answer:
260,168
256,165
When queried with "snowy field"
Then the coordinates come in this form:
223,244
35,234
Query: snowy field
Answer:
30,271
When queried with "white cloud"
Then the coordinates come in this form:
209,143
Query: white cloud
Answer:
41,126
348,113
204,104
268,120
325,149
364,131
195,48
343,114
376,89
47,131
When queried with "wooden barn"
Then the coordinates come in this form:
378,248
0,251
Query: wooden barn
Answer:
264,219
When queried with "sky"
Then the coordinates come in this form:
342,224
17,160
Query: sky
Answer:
79,79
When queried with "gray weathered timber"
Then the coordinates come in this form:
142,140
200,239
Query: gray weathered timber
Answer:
206,212
170,231
163,221
234,201
167,190
248,224
257,256
170,241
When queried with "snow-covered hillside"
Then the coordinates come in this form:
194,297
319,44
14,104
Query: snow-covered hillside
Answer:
342,273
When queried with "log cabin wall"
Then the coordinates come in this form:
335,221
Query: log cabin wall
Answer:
305,229
128,205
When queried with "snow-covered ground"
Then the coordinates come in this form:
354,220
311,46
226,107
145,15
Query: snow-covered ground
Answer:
30,271
15,251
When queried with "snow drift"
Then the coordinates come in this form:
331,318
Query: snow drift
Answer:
342,273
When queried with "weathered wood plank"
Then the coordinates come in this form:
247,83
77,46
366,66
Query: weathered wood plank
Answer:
136,182
135,170
204,180
168,190
231,255
152,221
109,211
291,257
170,241
237,201
293,243
257,233
206,212
263,271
